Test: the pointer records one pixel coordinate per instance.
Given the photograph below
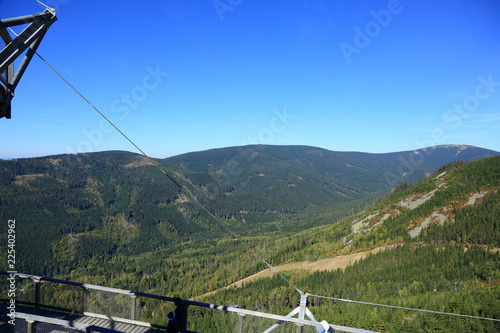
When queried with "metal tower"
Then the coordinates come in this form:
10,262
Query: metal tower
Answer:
29,39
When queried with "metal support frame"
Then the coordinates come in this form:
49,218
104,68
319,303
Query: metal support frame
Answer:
84,299
31,325
29,39
37,292
301,310
240,323
133,305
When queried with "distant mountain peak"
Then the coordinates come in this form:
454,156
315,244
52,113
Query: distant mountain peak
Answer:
458,147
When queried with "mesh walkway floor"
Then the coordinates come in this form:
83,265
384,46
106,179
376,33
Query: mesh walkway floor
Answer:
21,325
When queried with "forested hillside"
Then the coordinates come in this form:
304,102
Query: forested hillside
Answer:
451,265
114,219
74,208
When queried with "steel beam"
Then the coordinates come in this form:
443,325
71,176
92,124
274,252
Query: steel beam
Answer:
29,39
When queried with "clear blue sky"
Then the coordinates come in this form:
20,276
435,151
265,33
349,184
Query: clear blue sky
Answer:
180,76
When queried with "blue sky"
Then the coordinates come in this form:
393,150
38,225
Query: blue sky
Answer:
182,76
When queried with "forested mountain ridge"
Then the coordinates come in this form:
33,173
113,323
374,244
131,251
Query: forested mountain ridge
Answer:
357,171
459,203
119,202
114,219
102,203
441,238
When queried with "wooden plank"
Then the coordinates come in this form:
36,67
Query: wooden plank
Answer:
84,320
125,327
91,321
137,329
122,327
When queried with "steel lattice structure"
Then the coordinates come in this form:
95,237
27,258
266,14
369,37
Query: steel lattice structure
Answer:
28,40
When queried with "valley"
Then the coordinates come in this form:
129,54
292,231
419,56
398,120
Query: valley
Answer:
113,219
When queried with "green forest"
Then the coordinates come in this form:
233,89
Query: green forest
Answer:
114,219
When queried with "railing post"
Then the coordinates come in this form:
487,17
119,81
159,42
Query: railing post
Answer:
84,299
186,316
31,326
240,323
37,292
133,305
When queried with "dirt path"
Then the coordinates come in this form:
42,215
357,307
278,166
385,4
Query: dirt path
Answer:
320,265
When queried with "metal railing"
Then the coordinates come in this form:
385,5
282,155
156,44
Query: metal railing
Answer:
135,296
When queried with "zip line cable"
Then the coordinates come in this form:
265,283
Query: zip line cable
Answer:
271,267
183,188
403,308
51,9
381,292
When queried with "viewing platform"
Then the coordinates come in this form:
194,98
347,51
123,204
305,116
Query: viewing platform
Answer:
93,308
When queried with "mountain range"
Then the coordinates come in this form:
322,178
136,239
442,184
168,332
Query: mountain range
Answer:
318,175
251,189
114,219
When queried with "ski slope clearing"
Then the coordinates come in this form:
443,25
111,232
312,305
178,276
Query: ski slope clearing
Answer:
328,264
